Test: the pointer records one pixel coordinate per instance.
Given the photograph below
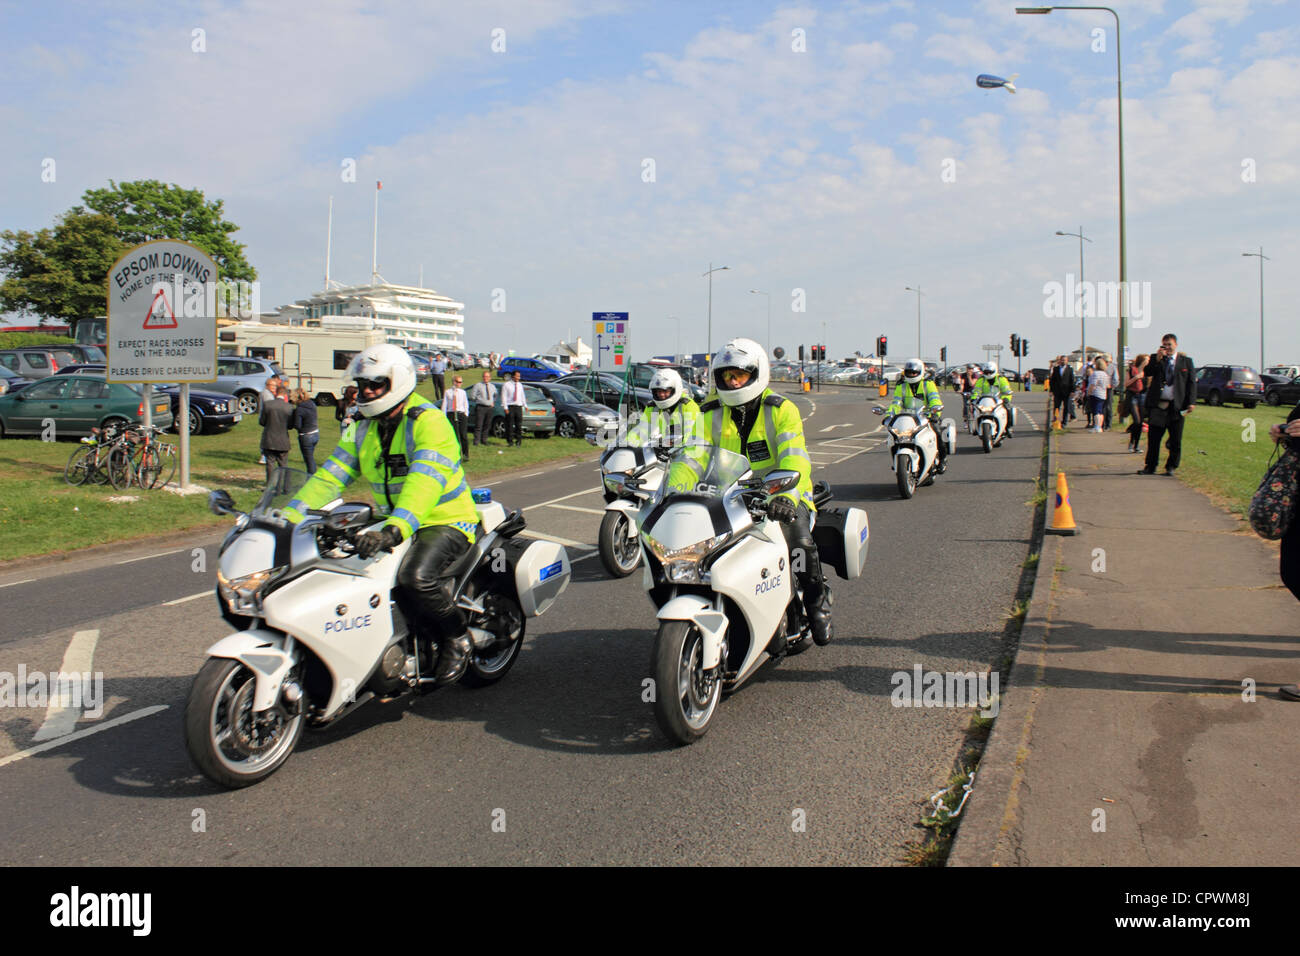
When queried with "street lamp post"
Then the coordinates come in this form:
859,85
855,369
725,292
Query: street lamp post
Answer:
679,336
769,317
1262,257
1083,335
710,275
1122,338
917,290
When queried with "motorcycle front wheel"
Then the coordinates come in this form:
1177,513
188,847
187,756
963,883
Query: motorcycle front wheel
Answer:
231,744
619,553
986,438
906,480
685,696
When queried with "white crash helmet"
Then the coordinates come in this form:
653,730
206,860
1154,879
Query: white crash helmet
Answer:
743,354
383,362
666,378
913,371
990,369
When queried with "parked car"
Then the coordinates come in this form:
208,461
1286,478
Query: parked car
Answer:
556,359
30,364
76,403
608,390
11,382
643,372
1283,393
244,378
91,354
1217,384
575,413
530,369
1287,372
209,411
539,414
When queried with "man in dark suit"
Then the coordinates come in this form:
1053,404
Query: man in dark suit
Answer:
274,419
1171,395
1061,383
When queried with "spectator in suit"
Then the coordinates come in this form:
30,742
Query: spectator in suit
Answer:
1061,384
268,394
274,419
455,405
1171,396
1290,565
485,398
512,397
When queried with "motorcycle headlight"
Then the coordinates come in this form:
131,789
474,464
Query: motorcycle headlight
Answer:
682,565
905,428
244,594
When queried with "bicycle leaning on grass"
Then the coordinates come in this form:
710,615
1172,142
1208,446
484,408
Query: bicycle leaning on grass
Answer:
153,462
104,456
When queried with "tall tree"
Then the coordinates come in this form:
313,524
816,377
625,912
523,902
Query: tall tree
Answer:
59,273
147,209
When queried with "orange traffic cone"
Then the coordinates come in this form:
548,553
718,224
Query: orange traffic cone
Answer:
1062,516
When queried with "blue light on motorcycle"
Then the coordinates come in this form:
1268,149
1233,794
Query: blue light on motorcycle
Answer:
482,496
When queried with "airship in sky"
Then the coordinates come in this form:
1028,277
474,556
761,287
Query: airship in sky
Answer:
990,82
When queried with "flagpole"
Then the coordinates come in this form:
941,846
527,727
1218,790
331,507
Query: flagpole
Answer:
374,254
329,239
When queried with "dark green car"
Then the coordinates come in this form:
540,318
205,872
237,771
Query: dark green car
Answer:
77,403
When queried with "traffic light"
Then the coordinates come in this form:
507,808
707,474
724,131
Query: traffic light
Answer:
943,355
821,353
801,353
1015,344
1024,347
882,343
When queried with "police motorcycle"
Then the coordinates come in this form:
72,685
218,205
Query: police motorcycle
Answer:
914,447
620,550
719,573
319,631
989,421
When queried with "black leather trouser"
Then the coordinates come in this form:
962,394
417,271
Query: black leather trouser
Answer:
803,554
426,602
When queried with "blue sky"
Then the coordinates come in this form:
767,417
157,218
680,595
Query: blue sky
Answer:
819,170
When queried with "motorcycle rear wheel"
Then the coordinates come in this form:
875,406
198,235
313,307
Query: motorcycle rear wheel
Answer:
686,698
215,745
505,620
618,553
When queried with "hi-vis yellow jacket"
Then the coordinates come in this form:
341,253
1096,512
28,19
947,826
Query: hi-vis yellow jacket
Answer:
922,393
775,442
999,386
667,427
420,483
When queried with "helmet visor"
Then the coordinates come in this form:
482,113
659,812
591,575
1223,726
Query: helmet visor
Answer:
376,386
732,378
661,394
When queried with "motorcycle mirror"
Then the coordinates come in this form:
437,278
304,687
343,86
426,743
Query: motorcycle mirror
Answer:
615,483
778,481
877,410
220,503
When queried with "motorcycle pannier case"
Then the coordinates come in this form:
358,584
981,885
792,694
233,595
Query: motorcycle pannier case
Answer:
541,575
842,536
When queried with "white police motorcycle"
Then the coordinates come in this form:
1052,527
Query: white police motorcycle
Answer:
719,573
914,447
620,549
319,631
988,420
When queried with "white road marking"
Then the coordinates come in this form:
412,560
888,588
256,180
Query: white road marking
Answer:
543,504
60,715
567,542
590,511
78,735
192,597
591,554
148,556
830,428
12,583
531,474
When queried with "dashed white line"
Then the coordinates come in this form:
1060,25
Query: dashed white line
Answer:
13,583
192,597
567,542
78,659
590,511
79,734
543,504
148,556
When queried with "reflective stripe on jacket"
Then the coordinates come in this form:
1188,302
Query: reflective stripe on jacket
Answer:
905,396
983,387
667,426
775,441
433,491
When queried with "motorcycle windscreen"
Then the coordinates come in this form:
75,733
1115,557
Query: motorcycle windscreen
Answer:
541,575
843,537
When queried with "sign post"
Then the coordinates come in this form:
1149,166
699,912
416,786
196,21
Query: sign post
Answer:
162,324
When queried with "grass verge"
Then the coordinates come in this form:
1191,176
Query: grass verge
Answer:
40,513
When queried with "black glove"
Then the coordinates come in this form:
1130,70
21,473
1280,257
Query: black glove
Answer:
372,542
781,509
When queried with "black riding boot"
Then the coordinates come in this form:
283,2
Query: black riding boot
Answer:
453,659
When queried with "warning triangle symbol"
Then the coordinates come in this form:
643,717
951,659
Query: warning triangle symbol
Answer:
160,314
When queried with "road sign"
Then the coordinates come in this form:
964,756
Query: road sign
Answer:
991,348
162,314
611,333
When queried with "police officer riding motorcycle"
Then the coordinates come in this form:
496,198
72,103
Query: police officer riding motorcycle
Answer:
409,452
913,390
993,383
674,414
743,415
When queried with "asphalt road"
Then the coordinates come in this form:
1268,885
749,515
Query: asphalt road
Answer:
560,763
